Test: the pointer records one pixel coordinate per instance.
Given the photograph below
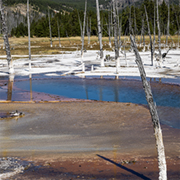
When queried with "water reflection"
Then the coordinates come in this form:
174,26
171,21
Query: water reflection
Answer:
10,87
100,94
30,81
14,93
103,89
116,92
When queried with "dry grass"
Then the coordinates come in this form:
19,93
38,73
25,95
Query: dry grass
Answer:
19,46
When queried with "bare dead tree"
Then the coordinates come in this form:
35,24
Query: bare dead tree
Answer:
159,32
6,40
154,115
120,30
135,27
29,34
167,34
50,32
149,35
88,31
130,22
89,39
154,30
99,29
88,28
115,30
83,30
80,24
177,24
59,33
109,27
142,33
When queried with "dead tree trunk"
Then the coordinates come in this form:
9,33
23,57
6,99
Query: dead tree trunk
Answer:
50,32
149,35
59,34
10,87
109,27
167,34
154,39
83,31
177,25
142,32
154,115
29,34
89,38
80,25
88,31
135,27
130,23
159,34
6,40
120,30
99,29
115,31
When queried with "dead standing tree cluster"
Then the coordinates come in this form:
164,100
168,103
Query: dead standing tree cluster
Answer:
6,40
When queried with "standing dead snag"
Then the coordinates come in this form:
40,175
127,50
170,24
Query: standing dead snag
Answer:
154,115
167,34
83,30
59,33
6,40
50,32
115,30
149,35
29,34
159,33
99,29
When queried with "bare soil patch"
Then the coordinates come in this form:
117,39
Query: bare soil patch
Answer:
87,140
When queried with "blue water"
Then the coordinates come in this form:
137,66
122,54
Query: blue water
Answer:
166,96
106,90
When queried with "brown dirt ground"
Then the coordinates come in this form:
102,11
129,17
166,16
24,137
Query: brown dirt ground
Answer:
124,131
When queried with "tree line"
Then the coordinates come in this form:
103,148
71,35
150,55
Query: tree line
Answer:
70,21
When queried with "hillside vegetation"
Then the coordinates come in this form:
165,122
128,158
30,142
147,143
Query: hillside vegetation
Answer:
69,24
57,4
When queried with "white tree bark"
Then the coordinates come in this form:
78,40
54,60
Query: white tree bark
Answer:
177,25
59,35
89,37
29,34
80,25
115,30
167,34
154,115
159,33
50,32
154,38
135,27
99,29
149,35
142,31
6,40
83,30
109,28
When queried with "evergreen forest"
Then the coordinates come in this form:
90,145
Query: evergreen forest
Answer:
69,22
